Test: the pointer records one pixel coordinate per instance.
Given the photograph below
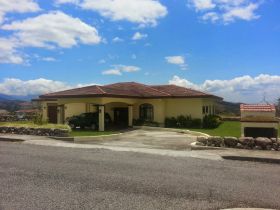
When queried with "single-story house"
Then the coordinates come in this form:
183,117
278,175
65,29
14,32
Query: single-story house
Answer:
126,101
259,120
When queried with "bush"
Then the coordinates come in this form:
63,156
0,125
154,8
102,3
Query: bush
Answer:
38,119
171,122
140,122
211,121
196,123
182,122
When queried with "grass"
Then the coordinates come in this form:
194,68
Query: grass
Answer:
91,133
227,128
29,124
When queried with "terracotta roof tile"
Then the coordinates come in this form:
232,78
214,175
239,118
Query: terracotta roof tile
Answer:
257,107
129,89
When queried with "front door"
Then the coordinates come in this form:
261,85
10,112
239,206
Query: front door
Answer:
52,114
121,117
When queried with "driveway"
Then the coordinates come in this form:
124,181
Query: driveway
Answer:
152,139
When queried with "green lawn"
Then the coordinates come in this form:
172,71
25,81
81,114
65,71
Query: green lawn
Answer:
227,128
29,124
91,133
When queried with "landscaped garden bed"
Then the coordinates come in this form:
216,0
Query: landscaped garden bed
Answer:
30,128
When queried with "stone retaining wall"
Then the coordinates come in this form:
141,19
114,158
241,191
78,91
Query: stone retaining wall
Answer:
259,143
34,131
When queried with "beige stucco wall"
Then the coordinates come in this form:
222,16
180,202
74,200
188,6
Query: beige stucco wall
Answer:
74,109
162,107
261,114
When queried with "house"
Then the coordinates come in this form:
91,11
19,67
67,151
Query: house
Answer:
127,101
259,120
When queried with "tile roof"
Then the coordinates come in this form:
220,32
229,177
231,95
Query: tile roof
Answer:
129,89
257,107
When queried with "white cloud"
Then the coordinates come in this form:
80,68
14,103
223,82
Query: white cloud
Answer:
112,72
119,69
240,89
53,29
226,11
203,4
138,36
17,6
143,12
244,13
8,52
49,59
117,39
177,60
211,16
12,86
67,1
18,87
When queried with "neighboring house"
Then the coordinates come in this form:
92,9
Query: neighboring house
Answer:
259,120
26,113
127,101
4,112
26,106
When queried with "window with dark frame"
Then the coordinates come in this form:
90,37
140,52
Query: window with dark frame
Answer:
146,112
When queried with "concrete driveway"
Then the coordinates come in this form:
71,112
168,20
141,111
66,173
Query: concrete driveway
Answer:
152,139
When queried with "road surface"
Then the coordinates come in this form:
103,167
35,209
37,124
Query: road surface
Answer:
44,177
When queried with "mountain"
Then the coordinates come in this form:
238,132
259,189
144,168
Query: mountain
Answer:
4,97
228,108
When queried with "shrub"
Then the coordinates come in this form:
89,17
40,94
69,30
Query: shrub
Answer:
184,122
196,123
140,122
38,119
211,121
171,122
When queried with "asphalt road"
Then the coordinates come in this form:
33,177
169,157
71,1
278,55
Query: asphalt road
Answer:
42,177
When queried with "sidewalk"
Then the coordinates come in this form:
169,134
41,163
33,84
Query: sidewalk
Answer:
215,154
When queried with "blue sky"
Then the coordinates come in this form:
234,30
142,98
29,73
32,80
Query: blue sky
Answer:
227,47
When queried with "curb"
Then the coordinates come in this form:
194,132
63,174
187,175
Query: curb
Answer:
198,147
7,139
252,159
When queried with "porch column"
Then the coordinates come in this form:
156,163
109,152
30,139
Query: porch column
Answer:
130,115
101,118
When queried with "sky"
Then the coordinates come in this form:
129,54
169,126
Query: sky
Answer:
230,48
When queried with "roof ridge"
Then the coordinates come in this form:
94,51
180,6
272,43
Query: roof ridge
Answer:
150,86
99,88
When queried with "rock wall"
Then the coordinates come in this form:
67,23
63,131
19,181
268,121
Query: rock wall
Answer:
259,143
34,131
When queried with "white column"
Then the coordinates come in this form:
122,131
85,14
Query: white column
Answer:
242,130
101,118
130,115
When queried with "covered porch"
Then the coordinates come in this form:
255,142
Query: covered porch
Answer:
121,111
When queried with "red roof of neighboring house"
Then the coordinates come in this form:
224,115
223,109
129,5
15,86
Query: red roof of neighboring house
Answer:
257,107
131,90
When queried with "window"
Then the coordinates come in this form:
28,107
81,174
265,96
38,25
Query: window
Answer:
207,109
146,112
